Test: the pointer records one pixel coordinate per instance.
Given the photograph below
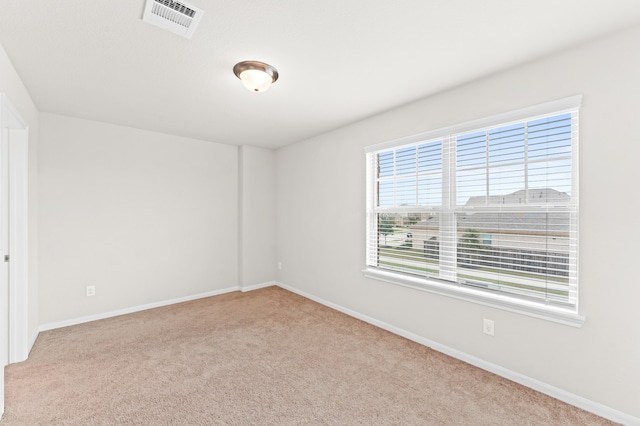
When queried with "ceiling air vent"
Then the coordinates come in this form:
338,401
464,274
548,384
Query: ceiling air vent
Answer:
178,17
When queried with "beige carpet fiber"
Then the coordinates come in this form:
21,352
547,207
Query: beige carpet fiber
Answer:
266,357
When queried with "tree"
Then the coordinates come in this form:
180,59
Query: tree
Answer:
412,220
386,222
469,246
470,239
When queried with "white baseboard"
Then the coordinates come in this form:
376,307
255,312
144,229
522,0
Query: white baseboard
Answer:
560,394
89,318
257,286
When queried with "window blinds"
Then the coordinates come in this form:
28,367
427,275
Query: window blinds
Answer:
493,209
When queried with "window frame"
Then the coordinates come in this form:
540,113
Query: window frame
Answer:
568,315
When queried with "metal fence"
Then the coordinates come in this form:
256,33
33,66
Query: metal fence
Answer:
533,261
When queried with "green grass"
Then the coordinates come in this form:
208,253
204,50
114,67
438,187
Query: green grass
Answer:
403,266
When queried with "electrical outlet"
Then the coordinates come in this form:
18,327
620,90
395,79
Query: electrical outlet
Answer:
279,265
91,290
488,327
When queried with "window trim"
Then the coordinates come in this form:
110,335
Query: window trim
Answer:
568,316
469,294
558,106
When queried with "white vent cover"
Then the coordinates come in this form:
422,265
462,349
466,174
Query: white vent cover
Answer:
178,17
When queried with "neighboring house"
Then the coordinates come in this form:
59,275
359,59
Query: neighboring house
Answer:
542,230
532,237
534,196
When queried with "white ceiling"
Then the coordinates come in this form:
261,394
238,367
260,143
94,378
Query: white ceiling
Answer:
339,60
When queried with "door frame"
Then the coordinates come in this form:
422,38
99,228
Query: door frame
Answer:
17,303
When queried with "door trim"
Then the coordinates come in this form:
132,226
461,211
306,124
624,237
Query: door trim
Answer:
18,302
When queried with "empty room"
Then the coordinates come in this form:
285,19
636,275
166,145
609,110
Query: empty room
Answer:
342,212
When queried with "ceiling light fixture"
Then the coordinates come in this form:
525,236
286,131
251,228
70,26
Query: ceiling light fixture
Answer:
256,76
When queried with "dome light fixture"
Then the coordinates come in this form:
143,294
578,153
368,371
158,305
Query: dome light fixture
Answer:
256,76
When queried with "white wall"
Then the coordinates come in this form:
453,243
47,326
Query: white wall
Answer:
145,217
12,86
257,224
321,225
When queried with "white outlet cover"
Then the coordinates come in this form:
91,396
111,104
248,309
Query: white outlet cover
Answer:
488,327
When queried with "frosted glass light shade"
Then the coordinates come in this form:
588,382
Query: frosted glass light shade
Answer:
256,76
256,80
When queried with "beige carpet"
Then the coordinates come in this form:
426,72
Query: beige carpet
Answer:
267,357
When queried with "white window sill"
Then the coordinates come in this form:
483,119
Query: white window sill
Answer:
499,301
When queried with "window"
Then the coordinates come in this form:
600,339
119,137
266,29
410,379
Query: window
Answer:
485,211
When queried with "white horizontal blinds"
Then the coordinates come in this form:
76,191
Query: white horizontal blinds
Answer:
410,176
550,164
401,243
430,174
523,163
490,204
371,218
408,184
516,208
447,236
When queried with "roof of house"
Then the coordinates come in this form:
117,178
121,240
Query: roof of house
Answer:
532,222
